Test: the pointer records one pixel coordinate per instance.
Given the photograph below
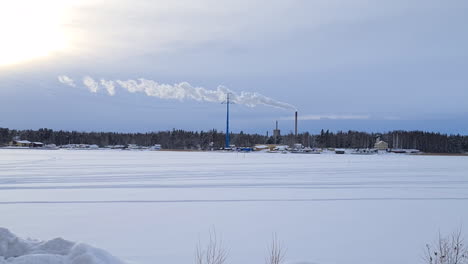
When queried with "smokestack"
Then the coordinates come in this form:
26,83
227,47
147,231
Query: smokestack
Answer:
295,125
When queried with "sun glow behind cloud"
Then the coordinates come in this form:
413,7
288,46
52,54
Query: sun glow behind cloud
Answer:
30,29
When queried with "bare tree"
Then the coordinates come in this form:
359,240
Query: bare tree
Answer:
213,253
447,250
276,251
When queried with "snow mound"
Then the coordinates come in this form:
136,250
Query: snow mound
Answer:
14,250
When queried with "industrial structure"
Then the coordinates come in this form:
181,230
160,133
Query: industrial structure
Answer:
276,133
228,141
295,125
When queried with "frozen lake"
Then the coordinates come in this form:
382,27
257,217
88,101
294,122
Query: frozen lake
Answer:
153,207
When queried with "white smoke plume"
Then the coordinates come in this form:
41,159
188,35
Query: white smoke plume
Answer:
109,85
91,84
66,80
184,90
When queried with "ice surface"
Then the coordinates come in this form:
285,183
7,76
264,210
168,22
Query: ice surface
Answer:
153,207
14,250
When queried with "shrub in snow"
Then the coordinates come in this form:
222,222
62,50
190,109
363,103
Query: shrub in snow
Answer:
213,253
276,252
447,250
14,250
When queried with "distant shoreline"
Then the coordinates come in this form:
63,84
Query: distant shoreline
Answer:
441,154
181,140
196,150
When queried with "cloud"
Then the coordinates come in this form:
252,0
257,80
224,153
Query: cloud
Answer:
162,26
66,80
330,117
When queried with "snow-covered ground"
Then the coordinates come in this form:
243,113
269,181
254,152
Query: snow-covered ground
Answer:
153,207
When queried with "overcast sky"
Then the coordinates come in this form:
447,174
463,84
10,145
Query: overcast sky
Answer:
344,64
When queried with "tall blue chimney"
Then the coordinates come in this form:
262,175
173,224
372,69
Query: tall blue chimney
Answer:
228,143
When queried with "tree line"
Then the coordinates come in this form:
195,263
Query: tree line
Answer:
203,140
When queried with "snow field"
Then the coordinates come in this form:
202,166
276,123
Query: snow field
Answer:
153,207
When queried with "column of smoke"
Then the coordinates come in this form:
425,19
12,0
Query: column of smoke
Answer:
179,91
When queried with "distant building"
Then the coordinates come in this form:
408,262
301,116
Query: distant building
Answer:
340,151
281,148
381,145
156,147
262,147
25,143
270,147
20,143
276,133
298,146
37,145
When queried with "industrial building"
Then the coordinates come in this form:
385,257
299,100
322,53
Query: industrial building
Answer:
276,134
381,145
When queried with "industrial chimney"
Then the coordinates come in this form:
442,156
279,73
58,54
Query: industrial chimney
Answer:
295,126
276,133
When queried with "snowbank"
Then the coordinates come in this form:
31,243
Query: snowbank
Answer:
14,250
